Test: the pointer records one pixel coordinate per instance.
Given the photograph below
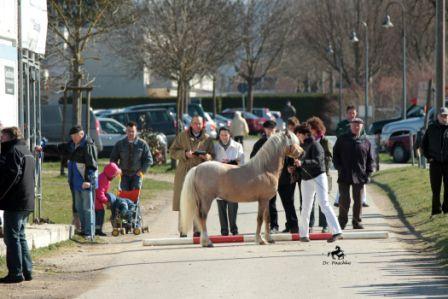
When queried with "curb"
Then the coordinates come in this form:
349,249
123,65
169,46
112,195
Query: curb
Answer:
43,235
276,237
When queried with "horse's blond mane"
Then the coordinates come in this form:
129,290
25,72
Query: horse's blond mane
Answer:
270,149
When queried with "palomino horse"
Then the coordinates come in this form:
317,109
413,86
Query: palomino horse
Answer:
255,181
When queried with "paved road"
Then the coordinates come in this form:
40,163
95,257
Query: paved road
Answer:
372,268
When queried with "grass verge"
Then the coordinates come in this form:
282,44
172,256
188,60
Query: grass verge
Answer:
410,192
57,200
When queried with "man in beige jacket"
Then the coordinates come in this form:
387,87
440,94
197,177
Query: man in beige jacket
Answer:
239,127
190,148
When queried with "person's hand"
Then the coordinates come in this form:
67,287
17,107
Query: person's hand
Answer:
189,154
86,185
38,149
140,173
291,169
206,157
297,163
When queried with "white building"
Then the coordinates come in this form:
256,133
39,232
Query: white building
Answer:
113,78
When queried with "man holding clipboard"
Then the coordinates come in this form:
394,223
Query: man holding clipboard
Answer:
190,148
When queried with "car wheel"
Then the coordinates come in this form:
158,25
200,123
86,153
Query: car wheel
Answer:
400,154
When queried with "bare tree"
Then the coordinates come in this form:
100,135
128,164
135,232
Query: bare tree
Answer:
75,23
265,26
180,40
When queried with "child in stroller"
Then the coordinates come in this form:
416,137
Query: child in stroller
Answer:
125,213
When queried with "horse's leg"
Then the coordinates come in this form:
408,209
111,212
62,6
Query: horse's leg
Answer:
267,221
202,216
258,239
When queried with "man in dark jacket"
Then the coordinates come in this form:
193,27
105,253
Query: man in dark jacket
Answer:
133,156
82,178
17,200
352,157
435,149
287,186
269,129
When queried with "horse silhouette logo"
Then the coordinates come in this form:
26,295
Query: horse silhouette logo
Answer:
338,252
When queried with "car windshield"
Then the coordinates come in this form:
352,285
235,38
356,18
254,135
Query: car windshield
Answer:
110,127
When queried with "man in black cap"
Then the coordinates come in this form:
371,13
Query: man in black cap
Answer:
269,129
352,158
82,174
435,149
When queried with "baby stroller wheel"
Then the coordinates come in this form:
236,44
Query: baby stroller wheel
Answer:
137,231
115,232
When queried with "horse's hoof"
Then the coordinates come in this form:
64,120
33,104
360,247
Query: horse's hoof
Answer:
261,242
271,241
208,245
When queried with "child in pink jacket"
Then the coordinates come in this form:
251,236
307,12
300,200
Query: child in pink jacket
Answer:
110,171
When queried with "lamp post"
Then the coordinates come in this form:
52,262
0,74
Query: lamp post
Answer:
354,39
330,51
388,24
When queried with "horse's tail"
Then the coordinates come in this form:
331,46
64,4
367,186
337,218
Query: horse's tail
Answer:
188,202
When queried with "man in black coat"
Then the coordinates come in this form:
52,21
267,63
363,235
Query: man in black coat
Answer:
435,149
17,200
269,129
352,157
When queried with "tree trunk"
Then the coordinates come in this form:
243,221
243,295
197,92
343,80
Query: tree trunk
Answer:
250,95
179,107
76,94
214,96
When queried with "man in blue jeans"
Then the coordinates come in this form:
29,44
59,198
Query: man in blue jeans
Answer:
133,156
17,200
82,176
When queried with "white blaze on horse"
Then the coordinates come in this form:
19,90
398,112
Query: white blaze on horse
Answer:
255,181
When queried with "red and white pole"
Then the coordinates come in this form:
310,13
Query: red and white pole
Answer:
275,237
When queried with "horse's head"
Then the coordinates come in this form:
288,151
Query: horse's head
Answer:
293,149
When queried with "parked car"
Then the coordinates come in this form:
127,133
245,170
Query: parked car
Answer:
377,126
399,147
222,121
395,136
193,108
254,123
110,133
155,119
278,119
52,126
263,113
406,126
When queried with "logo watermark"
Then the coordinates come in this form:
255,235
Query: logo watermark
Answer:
337,258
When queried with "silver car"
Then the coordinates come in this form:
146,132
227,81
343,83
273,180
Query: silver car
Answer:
110,133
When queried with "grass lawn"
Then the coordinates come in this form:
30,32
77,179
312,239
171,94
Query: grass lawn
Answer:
410,192
55,166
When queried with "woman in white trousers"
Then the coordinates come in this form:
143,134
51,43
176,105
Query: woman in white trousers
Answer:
312,170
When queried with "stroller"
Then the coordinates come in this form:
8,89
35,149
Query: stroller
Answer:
132,220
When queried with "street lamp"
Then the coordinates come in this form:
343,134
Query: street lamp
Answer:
330,51
388,24
354,39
